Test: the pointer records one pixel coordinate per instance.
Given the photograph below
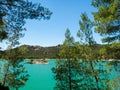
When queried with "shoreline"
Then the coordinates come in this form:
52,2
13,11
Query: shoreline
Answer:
79,59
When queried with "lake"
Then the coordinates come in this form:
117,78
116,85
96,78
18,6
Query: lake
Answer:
42,78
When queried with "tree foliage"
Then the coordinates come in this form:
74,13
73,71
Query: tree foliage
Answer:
13,14
78,67
66,71
107,19
14,75
85,32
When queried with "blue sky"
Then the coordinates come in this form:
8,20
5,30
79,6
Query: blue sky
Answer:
66,14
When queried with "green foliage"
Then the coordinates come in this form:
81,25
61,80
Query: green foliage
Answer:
114,84
80,69
115,48
15,74
66,71
107,19
69,39
110,51
85,32
67,79
3,35
38,52
13,14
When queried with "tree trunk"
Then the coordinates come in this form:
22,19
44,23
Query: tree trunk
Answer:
5,76
69,75
96,79
17,88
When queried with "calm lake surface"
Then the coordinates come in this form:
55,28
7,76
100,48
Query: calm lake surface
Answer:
41,76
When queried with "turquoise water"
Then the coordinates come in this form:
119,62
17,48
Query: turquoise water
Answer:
41,76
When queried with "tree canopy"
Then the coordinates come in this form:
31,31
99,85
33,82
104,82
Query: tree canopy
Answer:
107,19
13,15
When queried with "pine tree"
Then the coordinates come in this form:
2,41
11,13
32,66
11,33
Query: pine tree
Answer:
107,19
15,74
13,15
67,69
90,74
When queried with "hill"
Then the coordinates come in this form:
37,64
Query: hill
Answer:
103,51
38,52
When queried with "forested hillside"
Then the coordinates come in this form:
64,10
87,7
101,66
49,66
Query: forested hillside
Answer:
37,52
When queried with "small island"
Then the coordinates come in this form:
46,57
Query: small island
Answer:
38,61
